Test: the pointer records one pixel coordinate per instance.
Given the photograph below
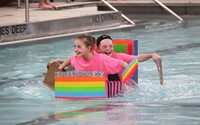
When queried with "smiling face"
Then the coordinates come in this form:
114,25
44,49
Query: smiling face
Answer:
106,47
80,48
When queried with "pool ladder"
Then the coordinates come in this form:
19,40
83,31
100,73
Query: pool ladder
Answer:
157,1
169,10
113,8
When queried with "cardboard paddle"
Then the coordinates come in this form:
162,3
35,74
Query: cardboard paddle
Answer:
49,78
159,67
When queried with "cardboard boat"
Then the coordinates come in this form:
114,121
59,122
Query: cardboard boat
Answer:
86,85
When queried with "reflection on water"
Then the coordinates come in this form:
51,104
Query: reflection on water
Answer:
109,111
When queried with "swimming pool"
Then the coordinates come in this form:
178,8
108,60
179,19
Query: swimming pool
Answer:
24,100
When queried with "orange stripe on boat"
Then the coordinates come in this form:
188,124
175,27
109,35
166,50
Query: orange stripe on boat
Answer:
81,84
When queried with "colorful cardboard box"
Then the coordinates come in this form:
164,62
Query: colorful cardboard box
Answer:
84,85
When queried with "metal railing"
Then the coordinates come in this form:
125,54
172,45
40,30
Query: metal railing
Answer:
27,17
156,1
113,8
169,10
18,3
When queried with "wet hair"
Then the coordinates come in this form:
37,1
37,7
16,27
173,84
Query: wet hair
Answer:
88,40
102,37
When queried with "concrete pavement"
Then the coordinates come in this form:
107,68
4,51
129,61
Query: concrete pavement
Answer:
78,17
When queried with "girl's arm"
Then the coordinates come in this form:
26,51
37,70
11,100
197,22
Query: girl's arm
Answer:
144,57
58,61
124,64
67,62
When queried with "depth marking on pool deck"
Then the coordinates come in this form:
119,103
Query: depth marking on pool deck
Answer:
64,35
74,25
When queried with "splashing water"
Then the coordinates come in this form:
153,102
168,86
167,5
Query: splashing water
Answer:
28,89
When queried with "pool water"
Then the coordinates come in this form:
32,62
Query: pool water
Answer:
25,100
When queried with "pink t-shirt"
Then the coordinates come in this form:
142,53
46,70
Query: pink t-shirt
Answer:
99,62
122,56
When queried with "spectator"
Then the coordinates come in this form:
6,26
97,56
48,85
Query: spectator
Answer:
45,4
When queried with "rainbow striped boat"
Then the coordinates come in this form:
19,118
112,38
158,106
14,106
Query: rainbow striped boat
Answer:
84,85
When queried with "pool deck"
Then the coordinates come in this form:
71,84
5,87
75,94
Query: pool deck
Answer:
78,17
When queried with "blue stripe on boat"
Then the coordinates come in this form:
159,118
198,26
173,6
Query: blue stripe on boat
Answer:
81,94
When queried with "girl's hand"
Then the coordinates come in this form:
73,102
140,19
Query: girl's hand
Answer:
155,57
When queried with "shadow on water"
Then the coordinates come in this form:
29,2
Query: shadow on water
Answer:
176,49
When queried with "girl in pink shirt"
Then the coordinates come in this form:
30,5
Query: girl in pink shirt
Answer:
85,59
105,46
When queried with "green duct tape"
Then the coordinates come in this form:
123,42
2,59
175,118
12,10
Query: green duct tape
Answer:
120,48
